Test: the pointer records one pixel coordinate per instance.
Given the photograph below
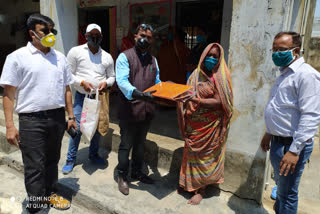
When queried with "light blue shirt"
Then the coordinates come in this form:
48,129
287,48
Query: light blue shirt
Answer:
294,106
122,76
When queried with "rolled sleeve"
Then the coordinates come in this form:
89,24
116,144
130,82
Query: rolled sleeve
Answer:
11,74
309,106
122,76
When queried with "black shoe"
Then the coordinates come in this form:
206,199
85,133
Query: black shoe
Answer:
142,177
123,186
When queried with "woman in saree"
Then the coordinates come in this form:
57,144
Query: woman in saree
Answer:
204,123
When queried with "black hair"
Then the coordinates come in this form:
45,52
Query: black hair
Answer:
296,38
38,19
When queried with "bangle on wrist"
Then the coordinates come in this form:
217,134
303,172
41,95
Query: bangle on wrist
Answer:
72,118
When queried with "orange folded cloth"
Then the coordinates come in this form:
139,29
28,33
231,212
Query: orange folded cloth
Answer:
168,90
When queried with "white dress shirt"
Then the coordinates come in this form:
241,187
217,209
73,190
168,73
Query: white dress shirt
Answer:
93,68
294,106
40,79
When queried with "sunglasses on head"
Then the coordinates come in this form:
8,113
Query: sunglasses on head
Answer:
146,27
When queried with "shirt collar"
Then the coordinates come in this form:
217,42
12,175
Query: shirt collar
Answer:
86,47
34,50
294,66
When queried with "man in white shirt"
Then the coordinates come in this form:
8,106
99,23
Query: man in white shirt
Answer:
38,77
91,68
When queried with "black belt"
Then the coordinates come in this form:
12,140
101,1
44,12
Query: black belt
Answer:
282,140
42,114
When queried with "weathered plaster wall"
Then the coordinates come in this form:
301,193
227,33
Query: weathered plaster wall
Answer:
297,14
308,29
254,24
65,16
314,53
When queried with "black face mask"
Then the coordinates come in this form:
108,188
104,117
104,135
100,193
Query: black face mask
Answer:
143,43
94,41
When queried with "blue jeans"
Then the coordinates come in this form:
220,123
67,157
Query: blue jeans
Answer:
287,192
74,142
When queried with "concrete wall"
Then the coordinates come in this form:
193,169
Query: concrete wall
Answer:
65,16
307,31
253,73
12,21
297,15
314,53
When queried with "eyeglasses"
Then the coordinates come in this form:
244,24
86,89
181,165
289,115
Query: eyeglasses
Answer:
46,31
281,49
145,27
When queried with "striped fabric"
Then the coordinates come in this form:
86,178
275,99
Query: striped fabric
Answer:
204,129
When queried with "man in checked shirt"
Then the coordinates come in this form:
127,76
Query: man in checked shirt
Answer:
292,118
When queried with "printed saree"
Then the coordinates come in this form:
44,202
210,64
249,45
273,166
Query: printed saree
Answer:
205,129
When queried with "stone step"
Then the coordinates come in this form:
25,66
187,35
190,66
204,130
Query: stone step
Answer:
13,195
160,151
243,172
95,188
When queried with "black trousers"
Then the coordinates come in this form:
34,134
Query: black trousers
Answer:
133,135
41,134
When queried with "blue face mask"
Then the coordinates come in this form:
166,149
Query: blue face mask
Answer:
201,38
283,58
210,62
170,36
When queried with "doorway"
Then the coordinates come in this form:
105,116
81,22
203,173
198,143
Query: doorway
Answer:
99,16
205,14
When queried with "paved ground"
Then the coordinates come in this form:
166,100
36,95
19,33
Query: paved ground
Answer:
95,189
12,195
309,189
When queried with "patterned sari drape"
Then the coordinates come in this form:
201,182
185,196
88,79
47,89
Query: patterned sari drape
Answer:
205,129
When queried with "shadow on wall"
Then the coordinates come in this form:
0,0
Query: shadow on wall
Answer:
251,183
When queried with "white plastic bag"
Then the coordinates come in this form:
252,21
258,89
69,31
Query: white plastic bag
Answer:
90,116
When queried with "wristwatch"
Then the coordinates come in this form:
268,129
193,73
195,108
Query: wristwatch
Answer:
72,118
